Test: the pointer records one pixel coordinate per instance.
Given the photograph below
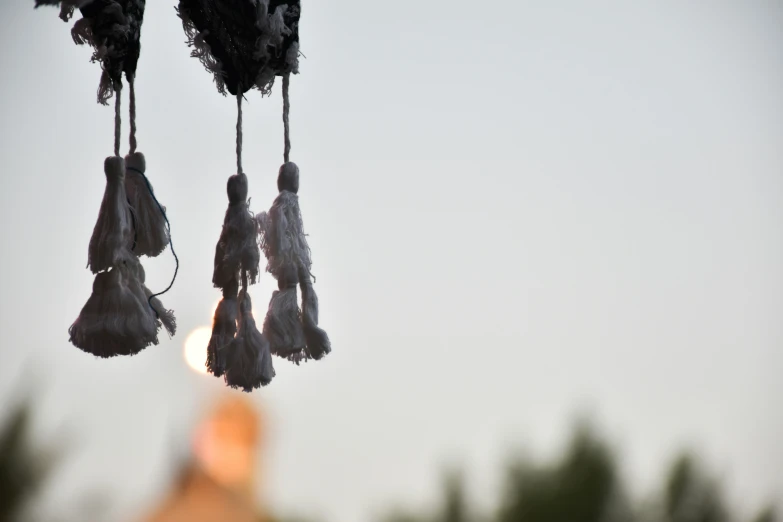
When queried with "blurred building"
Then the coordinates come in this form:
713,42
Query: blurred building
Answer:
219,483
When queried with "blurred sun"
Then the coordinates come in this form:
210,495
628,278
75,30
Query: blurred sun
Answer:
196,348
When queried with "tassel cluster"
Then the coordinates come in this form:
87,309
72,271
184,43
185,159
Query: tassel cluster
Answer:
237,351
121,317
292,333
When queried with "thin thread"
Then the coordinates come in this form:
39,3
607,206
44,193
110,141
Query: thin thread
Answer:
132,110
171,241
133,219
239,133
117,117
286,126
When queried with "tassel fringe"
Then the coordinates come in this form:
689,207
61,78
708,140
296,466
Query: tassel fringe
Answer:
248,360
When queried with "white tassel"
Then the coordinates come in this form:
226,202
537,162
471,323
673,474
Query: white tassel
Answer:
292,333
224,328
237,249
150,234
155,310
318,343
114,321
248,360
282,325
112,236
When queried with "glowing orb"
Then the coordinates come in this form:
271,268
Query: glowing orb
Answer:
196,348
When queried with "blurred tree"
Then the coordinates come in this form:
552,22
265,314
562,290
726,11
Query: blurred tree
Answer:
455,504
768,515
584,486
690,496
581,487
22,469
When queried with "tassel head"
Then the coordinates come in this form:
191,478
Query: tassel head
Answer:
288,178
112,236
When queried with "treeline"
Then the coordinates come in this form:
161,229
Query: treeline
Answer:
584,485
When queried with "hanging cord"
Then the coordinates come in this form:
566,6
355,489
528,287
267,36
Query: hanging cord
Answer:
239,133
286,126
117,117
132,112
132,139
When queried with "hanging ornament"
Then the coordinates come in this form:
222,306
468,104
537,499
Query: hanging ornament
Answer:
122,316
245,44
237,351
292,333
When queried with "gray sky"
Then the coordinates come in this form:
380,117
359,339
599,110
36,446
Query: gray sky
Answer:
517,211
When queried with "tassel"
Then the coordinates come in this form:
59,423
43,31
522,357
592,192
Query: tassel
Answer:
282,326
318,343
114,321
151,236
283,239
160,315
292,333
112,236
237,249
248,360
224,328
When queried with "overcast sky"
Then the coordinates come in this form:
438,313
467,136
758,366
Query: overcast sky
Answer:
517,210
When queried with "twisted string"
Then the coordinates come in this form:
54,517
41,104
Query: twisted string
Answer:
132,111
239,133
117,117
286,126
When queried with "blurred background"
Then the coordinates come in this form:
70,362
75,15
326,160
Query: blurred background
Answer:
548,242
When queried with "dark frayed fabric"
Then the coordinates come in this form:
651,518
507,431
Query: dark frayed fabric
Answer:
112,236
237,249
224,328
113,29
292,333
244,44
248,360
149,223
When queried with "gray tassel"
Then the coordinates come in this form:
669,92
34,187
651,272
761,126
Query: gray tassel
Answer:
318,343
282,325
283,239
114,321
292,333
159,313
237,249
151,236
248,360
224,328
112,236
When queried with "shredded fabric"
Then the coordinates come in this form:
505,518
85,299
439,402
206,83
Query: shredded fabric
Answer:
244,44
113,29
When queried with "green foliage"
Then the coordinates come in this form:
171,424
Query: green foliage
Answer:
768,515
584,485
690,496
22,469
